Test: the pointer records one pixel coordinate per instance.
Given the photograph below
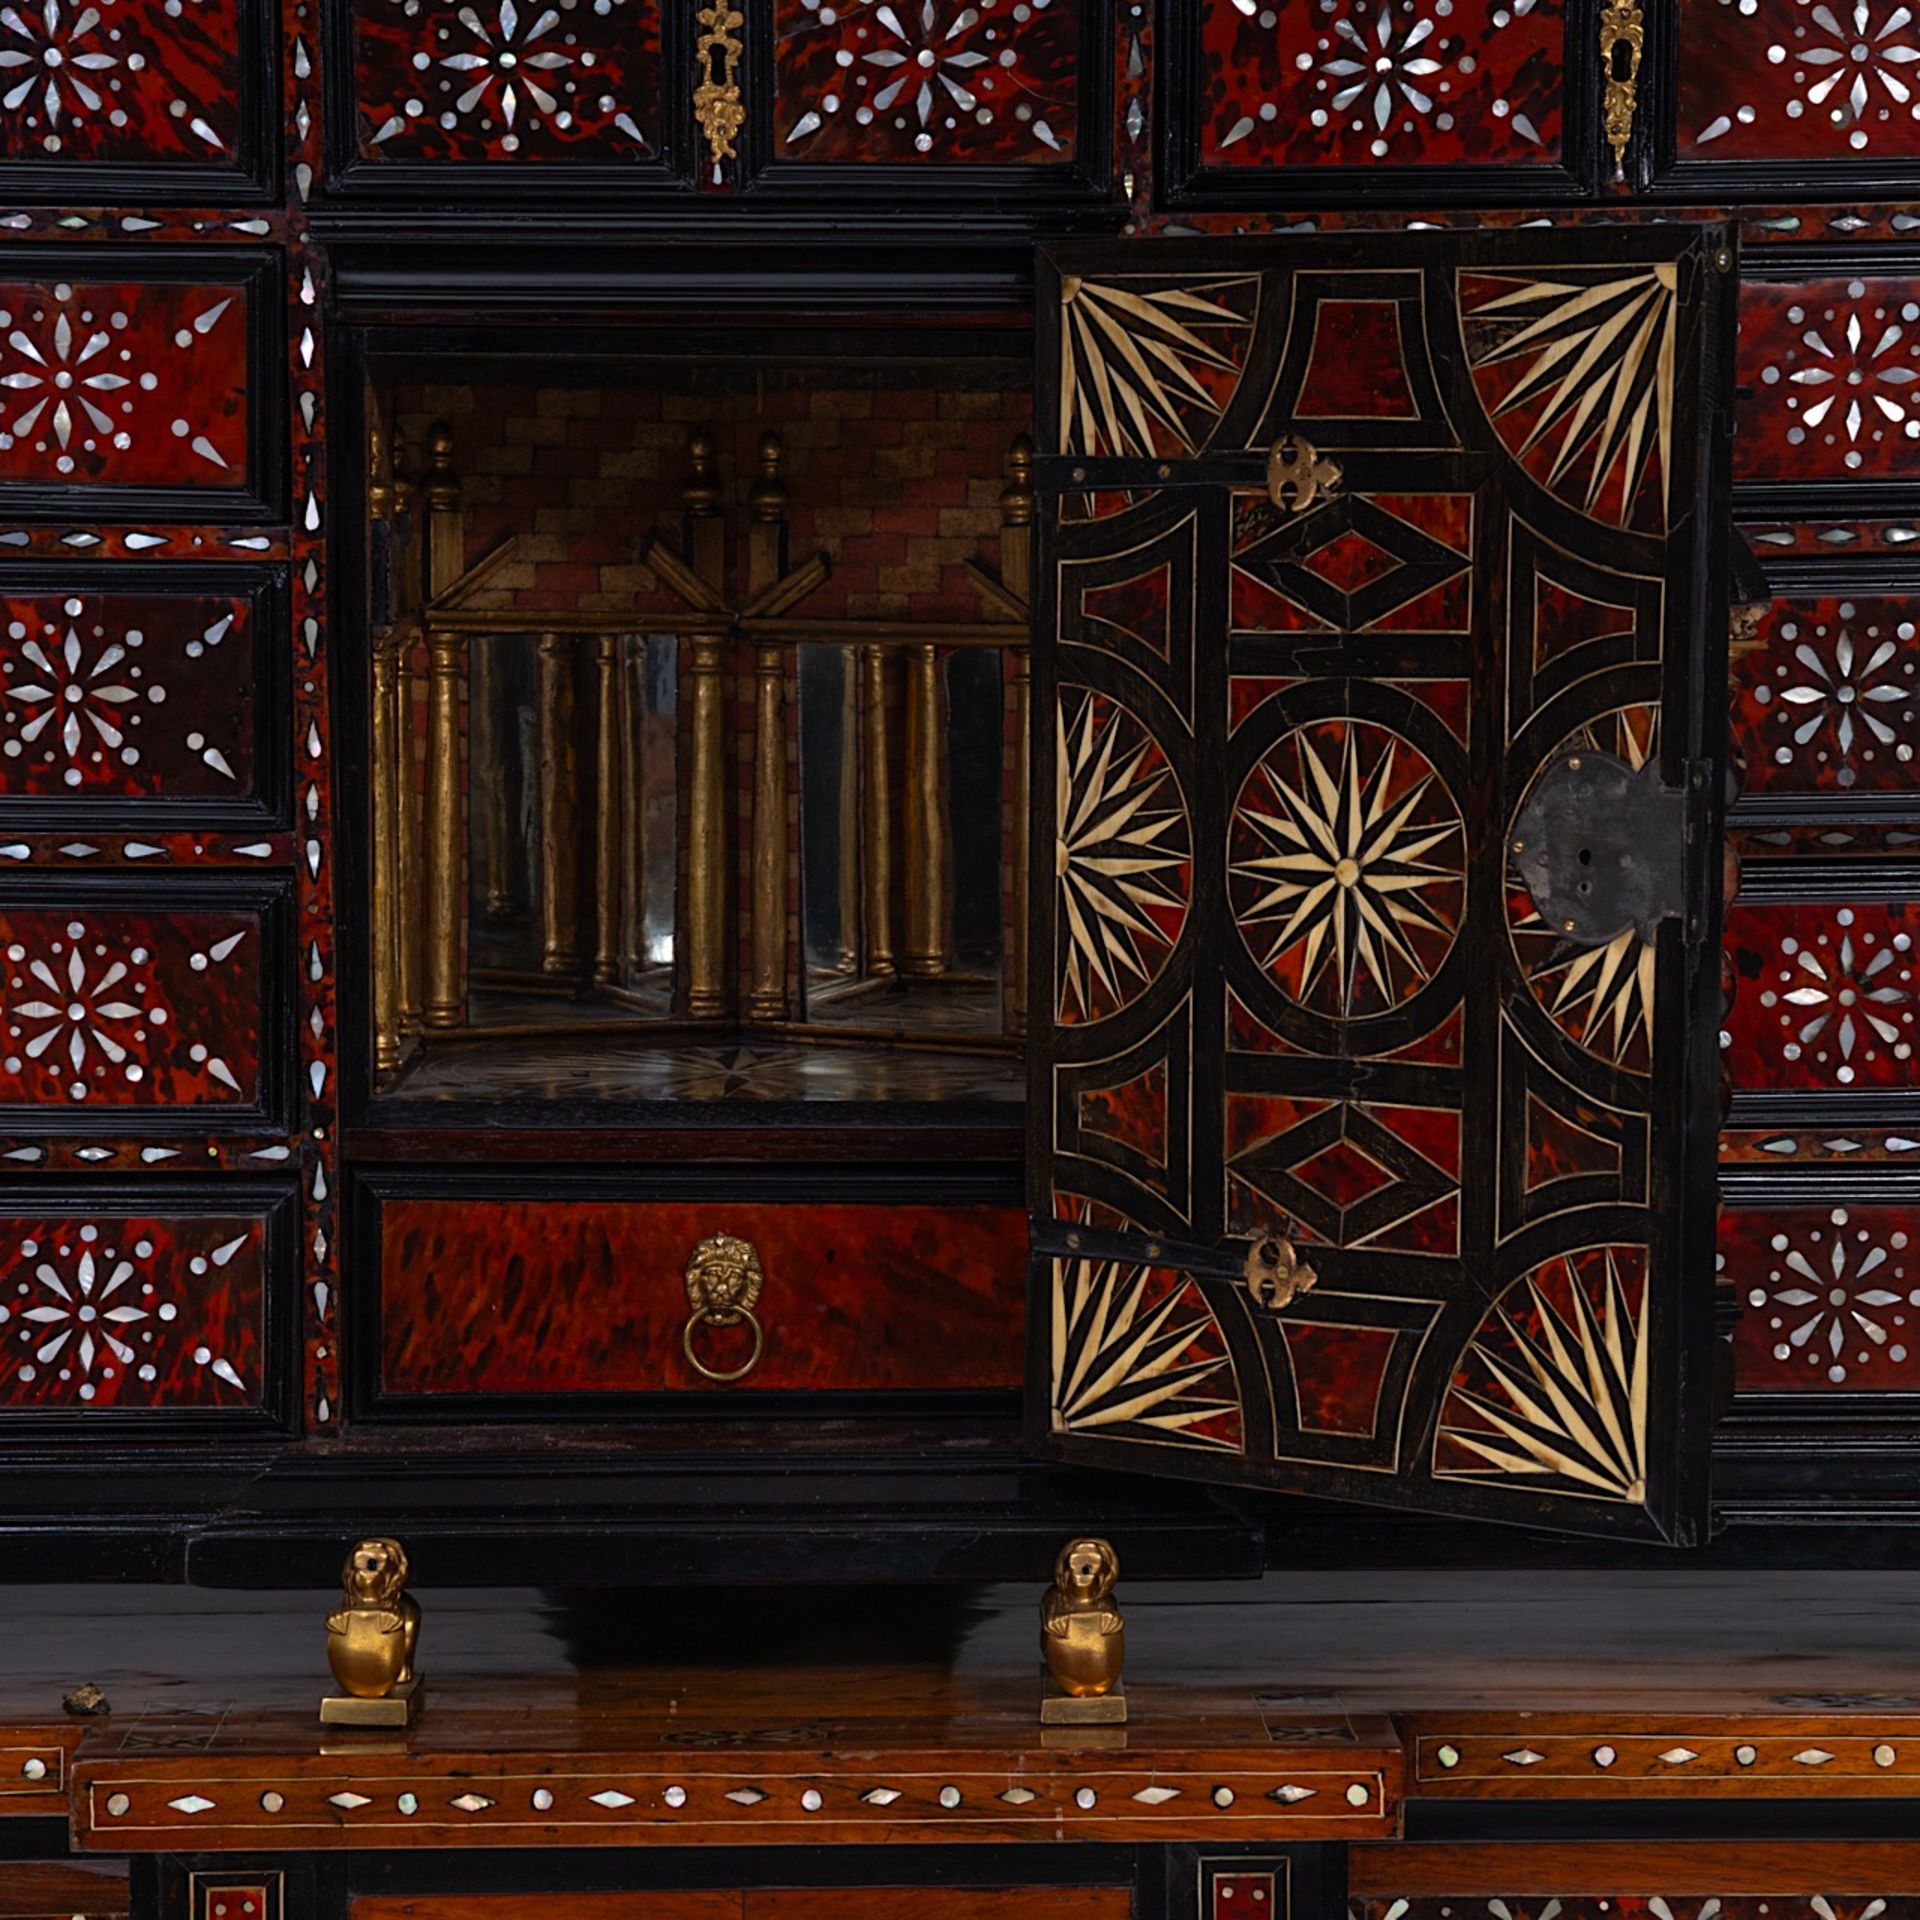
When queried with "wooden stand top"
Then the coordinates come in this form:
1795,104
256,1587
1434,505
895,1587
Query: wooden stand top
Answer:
1301,1707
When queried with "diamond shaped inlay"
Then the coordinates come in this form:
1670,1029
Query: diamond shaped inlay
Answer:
1157,1796
1679,1756
473,1803
191,1803
348,1801
610,1798
1523,1757
1813,1756
746,1796
1018,1796
881,1796
1287,1795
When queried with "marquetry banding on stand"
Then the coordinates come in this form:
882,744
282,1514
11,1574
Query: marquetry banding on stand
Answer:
471,1805
1774,1759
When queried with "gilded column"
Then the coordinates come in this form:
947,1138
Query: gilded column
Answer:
1016,573
446,984
709,844
766,562
386,850
928,857
876,816
608,838
559,798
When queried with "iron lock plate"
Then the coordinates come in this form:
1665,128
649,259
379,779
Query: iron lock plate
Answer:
1602,848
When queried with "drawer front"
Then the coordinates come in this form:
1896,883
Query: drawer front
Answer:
123,1009
131,386
125,699
153,1303
588,1296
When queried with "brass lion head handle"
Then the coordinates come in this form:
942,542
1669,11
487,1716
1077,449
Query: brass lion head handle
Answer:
724,1282
1298,474
1275,1274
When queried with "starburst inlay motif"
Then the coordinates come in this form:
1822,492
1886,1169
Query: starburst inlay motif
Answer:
1347,867
931,75
1852,383
1577,370
1122,856
1836,1288
1848,696
1554,1385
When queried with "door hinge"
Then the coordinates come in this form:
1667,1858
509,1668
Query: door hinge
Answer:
1603,847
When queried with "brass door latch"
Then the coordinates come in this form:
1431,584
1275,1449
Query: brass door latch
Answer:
724,1281
1275,1274
1298,474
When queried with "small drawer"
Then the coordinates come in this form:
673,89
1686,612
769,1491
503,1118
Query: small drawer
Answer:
139,382
147,1305
529,1298
135,1009
140,698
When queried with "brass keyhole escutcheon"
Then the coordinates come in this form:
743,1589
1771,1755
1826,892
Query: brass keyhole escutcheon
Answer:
1275,1274
724,1282
1298,474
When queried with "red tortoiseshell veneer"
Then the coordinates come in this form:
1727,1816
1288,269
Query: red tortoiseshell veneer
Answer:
541,1297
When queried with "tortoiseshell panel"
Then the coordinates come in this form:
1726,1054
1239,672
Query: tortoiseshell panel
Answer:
944,81
122,82
1359,83
1828,699
153,1310
102,1007
124,383
487,1296
1797,80
1824,995
507,81
126,696
1301,991
1828,372
1830,1297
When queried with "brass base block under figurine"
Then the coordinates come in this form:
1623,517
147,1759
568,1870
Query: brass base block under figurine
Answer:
396,1709
1059,1708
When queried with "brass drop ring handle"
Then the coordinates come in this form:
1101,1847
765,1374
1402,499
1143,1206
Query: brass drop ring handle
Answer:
724,1282
722,1377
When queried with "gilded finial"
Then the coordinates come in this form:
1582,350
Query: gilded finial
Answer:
768,499
1016,497
371,1640
1084,1638
442,483
379,482
701,494
403,488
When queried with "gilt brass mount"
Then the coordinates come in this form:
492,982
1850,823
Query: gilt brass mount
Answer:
1623,37
1298,474
1084,1639
716,100
1275,1274
371,1640
724,1281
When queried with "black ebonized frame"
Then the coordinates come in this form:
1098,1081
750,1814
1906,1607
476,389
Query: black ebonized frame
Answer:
270,806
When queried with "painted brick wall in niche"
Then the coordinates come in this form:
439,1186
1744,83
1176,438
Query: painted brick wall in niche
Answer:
897,478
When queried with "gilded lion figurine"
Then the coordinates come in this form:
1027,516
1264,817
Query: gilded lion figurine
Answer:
370,1640
1081,1630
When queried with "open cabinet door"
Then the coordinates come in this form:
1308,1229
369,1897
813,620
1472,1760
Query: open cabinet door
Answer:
1379,747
